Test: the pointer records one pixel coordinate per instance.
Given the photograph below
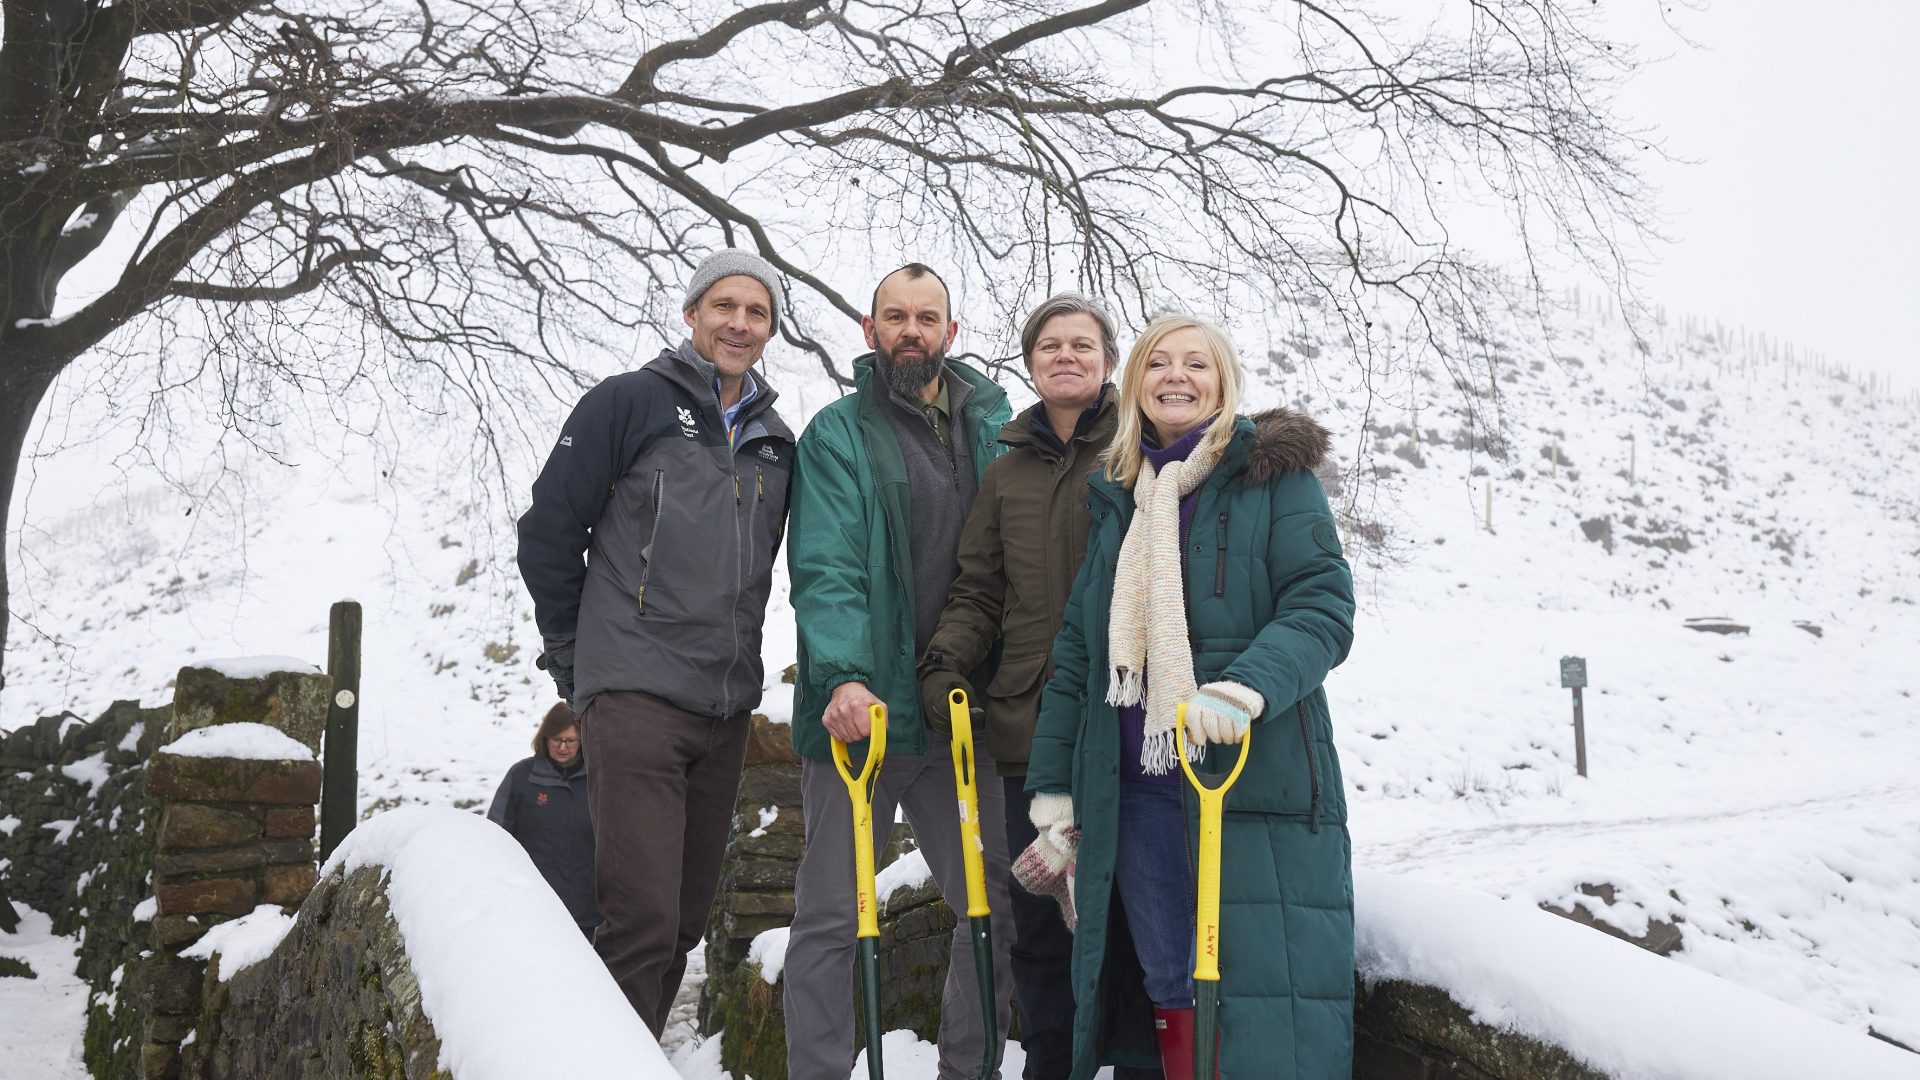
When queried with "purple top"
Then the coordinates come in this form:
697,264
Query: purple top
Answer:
1133,718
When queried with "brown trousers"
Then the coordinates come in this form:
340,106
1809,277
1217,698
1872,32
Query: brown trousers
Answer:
660,787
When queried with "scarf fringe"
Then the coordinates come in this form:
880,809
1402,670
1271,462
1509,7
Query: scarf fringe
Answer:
1156,753
1125,687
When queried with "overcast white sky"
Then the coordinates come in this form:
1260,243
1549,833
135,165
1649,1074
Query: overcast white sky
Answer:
1802,214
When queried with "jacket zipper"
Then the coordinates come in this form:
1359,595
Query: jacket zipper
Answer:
1313,765
740,568
886,516
1220,557
653,538
739,586
953,459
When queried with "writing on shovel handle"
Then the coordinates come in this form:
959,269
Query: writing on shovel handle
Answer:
860,790
1206,966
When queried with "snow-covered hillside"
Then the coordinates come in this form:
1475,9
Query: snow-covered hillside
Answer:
1755,790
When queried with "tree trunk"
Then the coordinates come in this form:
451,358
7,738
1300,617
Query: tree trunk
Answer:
23,383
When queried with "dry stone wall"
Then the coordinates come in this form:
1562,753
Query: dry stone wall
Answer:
1403,1031
336,998
76,843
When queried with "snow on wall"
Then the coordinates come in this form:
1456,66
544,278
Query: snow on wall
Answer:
242,942
254,667
245,740
1620,1009
490,943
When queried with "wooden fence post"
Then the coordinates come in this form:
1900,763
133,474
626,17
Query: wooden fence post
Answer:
340,786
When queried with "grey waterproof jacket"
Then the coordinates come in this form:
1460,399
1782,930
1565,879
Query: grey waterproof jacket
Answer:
679,528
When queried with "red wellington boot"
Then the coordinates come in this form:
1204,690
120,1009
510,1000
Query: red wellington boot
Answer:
1175,1029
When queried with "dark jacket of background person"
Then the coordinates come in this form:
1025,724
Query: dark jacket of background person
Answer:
1032,503
1269,606
849,555
680,532
545,808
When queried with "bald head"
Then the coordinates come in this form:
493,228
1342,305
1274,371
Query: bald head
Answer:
913,271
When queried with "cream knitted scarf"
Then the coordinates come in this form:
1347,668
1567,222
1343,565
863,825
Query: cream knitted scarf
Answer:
1148,654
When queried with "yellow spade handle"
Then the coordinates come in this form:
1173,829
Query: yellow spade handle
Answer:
1206,965
972,850
860,790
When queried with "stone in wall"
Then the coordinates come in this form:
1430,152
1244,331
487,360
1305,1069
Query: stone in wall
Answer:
336,998
1662,938
291,701
1404,1031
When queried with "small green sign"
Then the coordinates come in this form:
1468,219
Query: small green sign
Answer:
1573,672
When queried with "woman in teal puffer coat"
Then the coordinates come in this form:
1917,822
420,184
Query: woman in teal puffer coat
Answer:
1213,577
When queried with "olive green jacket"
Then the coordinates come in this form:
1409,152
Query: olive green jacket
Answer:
1022,547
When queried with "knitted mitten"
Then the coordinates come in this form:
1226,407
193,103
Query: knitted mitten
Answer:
1221,712
1044,870
1052,815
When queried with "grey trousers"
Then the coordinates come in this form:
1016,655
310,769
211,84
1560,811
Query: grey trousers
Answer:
820,946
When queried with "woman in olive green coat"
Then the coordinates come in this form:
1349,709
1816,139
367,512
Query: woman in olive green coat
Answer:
1213,577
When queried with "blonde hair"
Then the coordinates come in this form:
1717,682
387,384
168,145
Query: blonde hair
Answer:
1123,457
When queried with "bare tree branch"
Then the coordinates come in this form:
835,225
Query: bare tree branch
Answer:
458,199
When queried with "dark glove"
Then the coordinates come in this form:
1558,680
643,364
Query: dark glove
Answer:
937,681
559,664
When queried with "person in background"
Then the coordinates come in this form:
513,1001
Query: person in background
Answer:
1019,553
542,803
1214,578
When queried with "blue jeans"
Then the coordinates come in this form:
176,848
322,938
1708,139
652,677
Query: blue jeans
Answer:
1152,870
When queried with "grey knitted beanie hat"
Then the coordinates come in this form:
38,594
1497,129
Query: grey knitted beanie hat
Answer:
730,261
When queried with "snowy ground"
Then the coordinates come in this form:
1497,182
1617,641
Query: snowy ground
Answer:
45,1015
1756,789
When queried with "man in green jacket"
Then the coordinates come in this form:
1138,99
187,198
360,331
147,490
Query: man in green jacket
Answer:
883,480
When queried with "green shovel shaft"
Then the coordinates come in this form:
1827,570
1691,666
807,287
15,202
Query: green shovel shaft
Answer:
981,927
869,953
1206,1016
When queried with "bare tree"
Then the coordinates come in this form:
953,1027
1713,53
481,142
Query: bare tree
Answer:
486,187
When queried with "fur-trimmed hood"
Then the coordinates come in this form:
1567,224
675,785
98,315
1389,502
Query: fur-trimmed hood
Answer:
1282,440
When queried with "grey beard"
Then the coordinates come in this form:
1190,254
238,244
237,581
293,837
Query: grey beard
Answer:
908,378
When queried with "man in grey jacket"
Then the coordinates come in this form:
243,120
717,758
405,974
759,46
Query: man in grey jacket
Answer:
672,482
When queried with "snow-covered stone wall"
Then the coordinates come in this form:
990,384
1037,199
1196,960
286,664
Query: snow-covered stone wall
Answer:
76,844
143,828
336,997
431,948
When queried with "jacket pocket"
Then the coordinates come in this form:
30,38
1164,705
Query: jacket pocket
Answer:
1313,765
651,549
1289,768
1013,706
1220,556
